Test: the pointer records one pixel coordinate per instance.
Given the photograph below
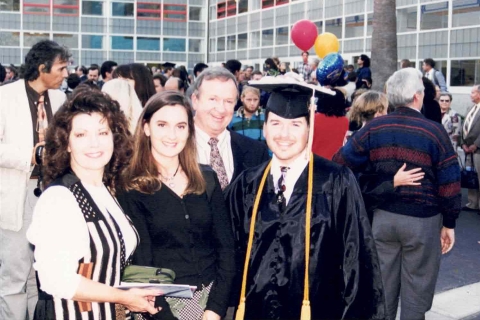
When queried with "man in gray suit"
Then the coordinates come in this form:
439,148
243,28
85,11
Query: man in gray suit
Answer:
471,144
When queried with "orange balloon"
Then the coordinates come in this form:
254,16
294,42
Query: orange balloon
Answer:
326,43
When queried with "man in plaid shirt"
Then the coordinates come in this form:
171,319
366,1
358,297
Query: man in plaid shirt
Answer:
304,68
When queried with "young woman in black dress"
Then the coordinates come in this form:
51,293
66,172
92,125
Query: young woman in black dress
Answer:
178,209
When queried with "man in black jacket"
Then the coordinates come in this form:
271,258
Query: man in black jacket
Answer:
229,153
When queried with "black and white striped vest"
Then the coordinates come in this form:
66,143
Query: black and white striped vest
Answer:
107,253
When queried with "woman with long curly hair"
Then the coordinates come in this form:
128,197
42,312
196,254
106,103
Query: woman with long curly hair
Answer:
178,208
82,238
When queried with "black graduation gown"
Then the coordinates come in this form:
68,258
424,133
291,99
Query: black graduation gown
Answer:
345,281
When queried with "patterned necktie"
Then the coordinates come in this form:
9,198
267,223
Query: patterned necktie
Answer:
281,187
217,164
41,119
469,120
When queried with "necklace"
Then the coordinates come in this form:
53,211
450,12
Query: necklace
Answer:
169,181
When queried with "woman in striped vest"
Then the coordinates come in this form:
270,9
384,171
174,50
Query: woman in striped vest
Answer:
82,238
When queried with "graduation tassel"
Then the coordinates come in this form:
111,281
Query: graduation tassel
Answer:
306,313
241,306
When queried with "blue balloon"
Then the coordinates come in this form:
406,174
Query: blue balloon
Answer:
330,69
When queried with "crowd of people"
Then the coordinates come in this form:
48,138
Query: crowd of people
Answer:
230,180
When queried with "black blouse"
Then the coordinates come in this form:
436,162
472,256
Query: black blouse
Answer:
190,235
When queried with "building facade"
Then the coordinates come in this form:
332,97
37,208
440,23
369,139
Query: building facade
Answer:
191,31
149,31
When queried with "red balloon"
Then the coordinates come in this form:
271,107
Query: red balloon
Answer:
304,33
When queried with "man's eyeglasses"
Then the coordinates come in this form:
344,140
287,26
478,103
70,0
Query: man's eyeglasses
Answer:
444,100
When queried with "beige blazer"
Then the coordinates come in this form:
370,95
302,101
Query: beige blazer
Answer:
16,147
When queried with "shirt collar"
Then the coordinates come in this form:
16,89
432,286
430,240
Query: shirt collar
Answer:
205,138
296,168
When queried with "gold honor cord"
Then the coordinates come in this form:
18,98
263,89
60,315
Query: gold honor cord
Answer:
305,313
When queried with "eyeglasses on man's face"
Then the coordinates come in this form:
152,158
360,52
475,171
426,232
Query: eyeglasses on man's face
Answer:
444,100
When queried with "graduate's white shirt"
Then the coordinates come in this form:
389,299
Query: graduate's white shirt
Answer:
224,146
292,175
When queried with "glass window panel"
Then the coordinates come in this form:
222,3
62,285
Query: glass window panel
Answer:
354,26
68,40
213,43
195,14
29,39
120,9
231,42
94,8
221,44
65,7
255,39
8,38
10,5
465,13
174,44
282,36
122,43
195,45
465,73
92,41
334,26
407,19
434,16
36,6
267,37
149,10
149,44
242,41
243,6
369,24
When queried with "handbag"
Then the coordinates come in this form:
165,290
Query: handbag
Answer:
469,176
143,274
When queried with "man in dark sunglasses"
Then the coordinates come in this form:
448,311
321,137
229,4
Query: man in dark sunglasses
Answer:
451,121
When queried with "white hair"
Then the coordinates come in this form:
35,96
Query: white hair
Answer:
403,85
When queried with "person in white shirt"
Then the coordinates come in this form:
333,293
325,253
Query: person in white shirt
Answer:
82,238
214,98
434,75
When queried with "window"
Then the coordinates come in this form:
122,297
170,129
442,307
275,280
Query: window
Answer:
226,9
37,7
267,37
195,14
407,19
255,39
271,3
92,41
231,43
221,44
174,12
334,26
149,11
94,8
195,45
68,40
464,73
66,8
8,38
148,44
242,41
369,24
120,9
282,36
10,5
174,44
354,26
434,16
213,46
29,39
122,43
465,13
243,6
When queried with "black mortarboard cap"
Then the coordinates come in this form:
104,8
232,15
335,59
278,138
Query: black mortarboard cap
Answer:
169,64
290,97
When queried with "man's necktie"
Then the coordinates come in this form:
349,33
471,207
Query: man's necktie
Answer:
42,122
281,187
217,164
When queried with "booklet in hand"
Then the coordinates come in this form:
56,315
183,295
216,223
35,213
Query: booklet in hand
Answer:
169,290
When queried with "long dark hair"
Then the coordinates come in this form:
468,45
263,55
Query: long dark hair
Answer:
144,86
86,100
142,173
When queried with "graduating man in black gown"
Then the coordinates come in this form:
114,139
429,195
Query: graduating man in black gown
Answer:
344,274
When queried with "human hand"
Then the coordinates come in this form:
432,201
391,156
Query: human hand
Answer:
472,148
32,161
447,239
210,315
141,300
408,178
466,149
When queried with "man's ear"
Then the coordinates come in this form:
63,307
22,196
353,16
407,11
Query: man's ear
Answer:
42,68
